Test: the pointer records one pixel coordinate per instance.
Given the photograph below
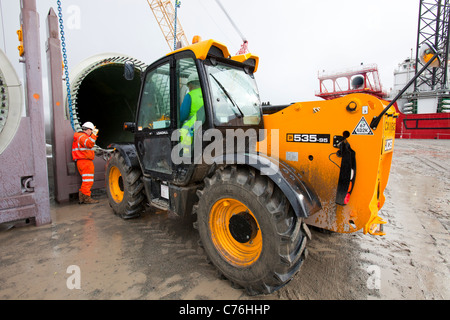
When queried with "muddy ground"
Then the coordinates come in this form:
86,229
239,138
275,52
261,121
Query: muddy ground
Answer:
158,256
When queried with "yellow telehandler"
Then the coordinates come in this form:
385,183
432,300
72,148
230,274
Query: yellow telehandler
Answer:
254,177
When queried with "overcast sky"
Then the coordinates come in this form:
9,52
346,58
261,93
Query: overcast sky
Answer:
293,38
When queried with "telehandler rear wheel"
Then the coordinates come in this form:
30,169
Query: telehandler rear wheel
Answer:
249,230
124,187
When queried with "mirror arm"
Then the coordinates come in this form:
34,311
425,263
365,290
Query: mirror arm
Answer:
376,120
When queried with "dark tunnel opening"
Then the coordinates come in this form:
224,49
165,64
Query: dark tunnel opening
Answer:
108,100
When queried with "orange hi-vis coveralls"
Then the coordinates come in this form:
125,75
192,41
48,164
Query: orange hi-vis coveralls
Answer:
83,154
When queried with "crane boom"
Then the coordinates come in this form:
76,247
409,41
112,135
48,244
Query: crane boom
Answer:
244,46
164,12
231,20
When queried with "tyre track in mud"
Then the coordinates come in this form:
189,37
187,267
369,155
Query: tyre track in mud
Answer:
178,267
413,256
411,261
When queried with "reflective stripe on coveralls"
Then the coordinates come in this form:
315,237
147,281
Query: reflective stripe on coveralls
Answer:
82,146
86,170
83,154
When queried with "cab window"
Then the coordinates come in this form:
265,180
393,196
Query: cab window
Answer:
235,96
154,111
188,81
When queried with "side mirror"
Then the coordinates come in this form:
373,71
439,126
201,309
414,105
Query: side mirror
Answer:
426,53
129,126
128,70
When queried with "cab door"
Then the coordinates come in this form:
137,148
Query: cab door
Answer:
155,121
163,92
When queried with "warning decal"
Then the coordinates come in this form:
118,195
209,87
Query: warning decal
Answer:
363,128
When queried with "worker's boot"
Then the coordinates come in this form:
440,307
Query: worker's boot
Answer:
81,197
85,199
89,200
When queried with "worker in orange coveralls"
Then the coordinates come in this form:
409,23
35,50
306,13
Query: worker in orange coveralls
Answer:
83,155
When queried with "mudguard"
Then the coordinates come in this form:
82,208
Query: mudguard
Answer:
128,152
301,196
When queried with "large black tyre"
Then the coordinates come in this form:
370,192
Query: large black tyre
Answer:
249,230
124,187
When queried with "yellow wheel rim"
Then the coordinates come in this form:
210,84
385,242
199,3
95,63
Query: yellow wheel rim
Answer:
116,184
235,232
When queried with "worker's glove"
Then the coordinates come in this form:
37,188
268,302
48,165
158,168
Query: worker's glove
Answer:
95,131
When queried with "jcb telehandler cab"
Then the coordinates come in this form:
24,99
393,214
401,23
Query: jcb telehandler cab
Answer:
253,181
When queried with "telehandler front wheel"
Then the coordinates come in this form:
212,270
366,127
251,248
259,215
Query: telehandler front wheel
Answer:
249,230
124,187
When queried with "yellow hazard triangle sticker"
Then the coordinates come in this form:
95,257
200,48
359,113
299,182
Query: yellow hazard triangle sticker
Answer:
363,128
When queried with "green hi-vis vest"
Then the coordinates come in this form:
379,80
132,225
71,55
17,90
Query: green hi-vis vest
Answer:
197,114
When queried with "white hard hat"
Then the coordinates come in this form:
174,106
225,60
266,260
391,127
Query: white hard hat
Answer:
88,125
193,77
